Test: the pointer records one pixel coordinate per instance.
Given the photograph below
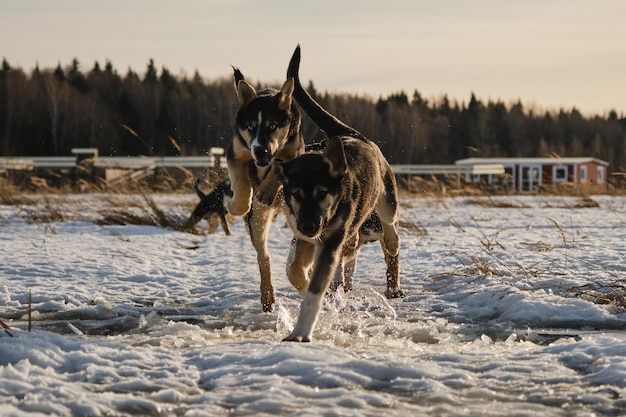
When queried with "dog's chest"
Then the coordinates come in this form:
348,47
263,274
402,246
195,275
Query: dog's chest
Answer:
258,174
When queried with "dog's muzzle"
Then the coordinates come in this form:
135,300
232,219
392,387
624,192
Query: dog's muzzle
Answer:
261,156
308,228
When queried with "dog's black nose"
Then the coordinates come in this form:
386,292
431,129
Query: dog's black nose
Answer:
261,153
308,228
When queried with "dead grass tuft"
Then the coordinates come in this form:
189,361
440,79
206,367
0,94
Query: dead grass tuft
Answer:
11,195
6,328
497,203
538,246
496,269
148,214
416,229
560,229
475,269
613,293
587,202
584,202
50,212
480,266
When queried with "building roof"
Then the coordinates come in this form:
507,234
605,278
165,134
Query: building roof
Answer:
543,161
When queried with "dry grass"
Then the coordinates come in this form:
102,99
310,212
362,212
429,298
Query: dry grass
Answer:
479,266
49,208
149,214
538,246
560,230
416,229
613,293
11,195
50,212
475,269
6,328
587,202
548,276
583,202
497,203
43,208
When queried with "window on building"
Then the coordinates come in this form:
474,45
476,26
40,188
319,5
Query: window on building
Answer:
559,174
583,173
600,175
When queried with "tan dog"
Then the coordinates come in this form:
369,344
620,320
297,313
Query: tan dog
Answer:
267,127
330,194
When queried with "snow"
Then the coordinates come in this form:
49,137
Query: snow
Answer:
509,311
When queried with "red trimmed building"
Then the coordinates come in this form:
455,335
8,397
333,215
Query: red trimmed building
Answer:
528,175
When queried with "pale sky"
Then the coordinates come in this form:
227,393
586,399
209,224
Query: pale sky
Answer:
549,54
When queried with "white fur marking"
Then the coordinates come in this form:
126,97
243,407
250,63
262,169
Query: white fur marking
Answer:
338,278
255,140
310,308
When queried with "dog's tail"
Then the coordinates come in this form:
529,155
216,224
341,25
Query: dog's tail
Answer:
196,187
322,118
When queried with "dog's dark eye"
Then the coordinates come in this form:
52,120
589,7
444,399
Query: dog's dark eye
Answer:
321,194
297,195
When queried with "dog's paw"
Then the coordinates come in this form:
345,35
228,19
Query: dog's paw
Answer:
394,293
268,303
265,196
267,307
295,338
236,208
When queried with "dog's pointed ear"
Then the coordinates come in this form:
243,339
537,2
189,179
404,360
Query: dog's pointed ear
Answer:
280,171
335,157
245,92
237,75
286,95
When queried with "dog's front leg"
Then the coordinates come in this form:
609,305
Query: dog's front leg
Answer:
391,248
266,192
338,278
299,263
309,309
350,252
348,274
238,171
259,224
324,267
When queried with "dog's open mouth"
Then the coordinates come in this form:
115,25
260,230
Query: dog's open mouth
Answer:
261,155
262,162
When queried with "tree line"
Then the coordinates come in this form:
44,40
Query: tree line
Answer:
51,111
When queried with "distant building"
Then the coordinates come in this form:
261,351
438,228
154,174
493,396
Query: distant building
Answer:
86,165
528,175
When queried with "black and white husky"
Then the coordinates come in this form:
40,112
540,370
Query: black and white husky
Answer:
267,127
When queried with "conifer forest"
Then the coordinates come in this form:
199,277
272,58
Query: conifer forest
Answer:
47,112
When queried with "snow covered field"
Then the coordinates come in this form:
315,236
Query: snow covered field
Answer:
514,311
